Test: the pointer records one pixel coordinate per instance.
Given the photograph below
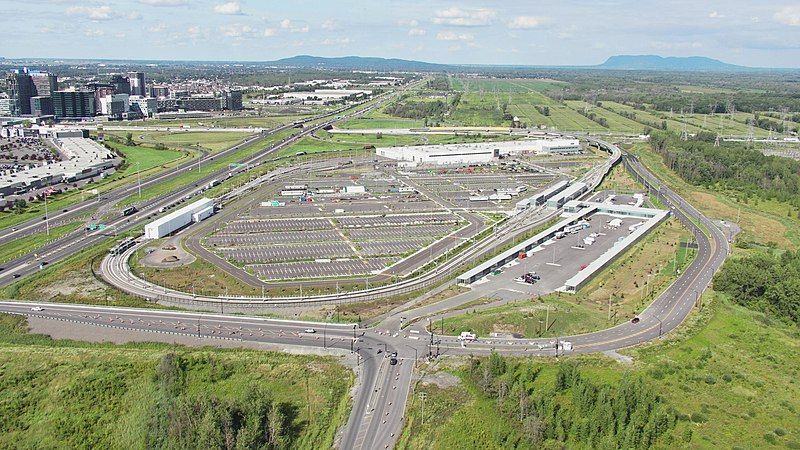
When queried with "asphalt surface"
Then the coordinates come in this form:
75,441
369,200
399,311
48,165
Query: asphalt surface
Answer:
378,407
72,243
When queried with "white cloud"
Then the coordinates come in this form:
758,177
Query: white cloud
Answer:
92,32
159,27
670,45
789,15
715,15
408,23
287,24
269,32
464,17
340,41
228,9
524,22
194,31
164,2
453,36
236,30
417,32
96,13
328,25
135,15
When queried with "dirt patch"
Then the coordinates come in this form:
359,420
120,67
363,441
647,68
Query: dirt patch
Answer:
168,255
441,379
75,285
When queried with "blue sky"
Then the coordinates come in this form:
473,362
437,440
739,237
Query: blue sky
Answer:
480,32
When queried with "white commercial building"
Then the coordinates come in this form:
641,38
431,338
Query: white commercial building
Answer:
476,153
114,104
176,220
147,105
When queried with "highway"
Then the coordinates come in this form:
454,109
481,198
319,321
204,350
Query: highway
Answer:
378,407
81,239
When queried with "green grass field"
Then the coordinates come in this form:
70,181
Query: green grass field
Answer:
194,174
213,141
64,394
219,122
730,373
21,246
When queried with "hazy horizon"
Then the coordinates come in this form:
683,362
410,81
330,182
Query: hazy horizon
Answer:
465,32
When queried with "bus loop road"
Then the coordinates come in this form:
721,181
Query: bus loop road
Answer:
379,404
72,243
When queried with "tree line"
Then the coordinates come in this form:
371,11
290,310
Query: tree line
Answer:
768,282
732,165
573,411
179,419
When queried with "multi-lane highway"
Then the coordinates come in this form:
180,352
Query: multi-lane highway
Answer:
70,244
378,407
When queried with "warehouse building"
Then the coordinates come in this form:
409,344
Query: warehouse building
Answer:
476,153
176,220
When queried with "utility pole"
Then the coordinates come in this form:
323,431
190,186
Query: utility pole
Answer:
139,177
46,215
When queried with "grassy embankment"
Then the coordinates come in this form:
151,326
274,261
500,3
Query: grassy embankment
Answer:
730,372
74,395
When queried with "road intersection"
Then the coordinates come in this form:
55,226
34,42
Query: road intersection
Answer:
378,406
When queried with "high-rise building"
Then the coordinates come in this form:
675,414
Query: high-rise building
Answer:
233,100
42,105
46,83
20,89
73,104
121,84
159,91
136,80
114,105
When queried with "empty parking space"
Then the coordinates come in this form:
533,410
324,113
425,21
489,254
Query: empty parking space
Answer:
278,237
315,269
261,226
293,252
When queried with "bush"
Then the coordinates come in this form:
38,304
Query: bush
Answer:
698,417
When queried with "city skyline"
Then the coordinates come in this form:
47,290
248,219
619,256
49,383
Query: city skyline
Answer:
467,32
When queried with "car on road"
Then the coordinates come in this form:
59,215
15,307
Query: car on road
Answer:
310,330
37,309
393,361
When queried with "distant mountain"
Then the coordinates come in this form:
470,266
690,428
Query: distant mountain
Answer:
357,63
674,63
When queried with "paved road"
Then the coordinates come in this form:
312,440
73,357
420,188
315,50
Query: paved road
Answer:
72,243
378,408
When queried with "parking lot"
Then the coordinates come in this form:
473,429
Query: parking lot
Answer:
313,269
557,260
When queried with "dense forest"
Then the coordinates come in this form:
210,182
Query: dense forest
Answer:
575,412
731,165
179,419
765,282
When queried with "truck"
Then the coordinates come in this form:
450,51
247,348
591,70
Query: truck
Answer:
213,183
129,211
466,336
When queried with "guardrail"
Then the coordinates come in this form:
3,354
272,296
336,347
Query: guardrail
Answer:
431,278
